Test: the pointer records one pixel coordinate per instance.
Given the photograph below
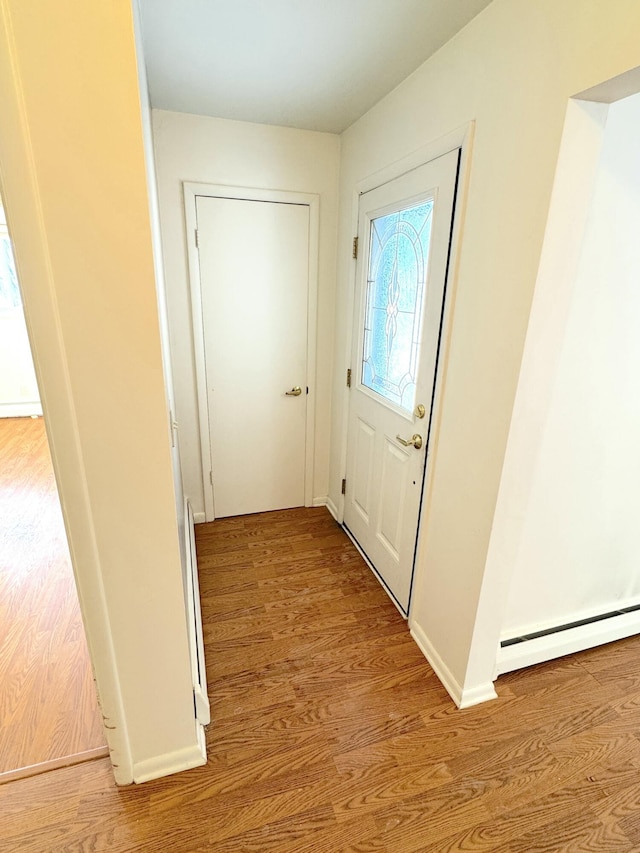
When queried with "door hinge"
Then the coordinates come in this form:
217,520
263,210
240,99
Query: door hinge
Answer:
197,238
349,378
211,477
344,487
355,247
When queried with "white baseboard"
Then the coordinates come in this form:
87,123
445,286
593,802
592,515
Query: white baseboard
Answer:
333,509
477,695
566,642
449,682
326,501
173,762
199,518
463,697
31,409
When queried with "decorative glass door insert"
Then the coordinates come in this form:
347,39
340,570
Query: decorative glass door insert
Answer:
398,259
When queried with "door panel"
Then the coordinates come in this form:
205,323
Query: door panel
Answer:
392,496
254,269
403,234
365,443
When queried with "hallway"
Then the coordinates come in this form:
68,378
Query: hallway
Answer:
48,705
331,733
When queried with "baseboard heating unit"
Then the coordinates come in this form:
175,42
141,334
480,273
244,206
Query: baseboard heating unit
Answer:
538,646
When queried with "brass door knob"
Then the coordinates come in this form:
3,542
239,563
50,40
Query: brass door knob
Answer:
414,441
295,392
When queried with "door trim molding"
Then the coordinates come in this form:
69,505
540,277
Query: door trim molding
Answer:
434,183
460,138
191,191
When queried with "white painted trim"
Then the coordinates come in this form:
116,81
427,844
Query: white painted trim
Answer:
477,695
312,201
333,509
199,518
453,688
458,138
567,642
463,697
173,762
346,391
21,410
197,326
54,764
194,621
312,343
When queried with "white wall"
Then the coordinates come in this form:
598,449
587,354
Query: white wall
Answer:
511,70
580,541
218,151
73,180
156,237
161,293
18,387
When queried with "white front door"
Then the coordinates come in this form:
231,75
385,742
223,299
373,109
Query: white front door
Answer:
254,277
404,236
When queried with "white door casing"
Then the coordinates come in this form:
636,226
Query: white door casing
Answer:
384,478
253,288
194,621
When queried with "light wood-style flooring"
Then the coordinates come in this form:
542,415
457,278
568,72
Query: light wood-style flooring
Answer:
48,706
331,733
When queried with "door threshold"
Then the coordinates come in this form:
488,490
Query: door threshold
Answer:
54,764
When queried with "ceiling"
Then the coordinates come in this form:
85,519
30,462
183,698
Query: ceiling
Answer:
315,64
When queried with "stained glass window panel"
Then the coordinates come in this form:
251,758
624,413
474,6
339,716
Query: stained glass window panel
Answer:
9,290
398,257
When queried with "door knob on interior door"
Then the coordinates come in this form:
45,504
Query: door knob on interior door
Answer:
295,392
414,441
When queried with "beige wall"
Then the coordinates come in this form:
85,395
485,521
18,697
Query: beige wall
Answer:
240,154
72,170
511,70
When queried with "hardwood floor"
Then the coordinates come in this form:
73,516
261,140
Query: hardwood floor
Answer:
48,706
331,733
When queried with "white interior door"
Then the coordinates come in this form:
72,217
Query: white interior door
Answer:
403,235
254,277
